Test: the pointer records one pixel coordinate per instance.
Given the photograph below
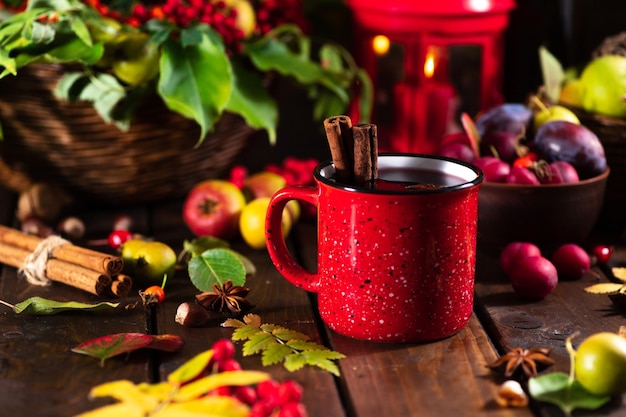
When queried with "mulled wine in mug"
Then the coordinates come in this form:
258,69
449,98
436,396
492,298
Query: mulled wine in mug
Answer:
396,258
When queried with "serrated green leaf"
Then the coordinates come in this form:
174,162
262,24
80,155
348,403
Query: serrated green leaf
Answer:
43,306
233,323
268,327
275,353
303,344
216,266
295,361
257,343
557,388
285,334
244,332
320,358
190,369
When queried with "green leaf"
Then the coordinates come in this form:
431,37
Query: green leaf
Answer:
269,54
196,80
276,353
553,74
43,306
203,243
557,388
288,334
244,332
80,29
216,266
251,100
258,342
294,353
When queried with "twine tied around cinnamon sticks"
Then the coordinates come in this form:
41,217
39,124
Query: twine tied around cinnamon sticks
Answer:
354,150
41,261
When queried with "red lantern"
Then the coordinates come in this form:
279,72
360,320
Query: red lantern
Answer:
429,62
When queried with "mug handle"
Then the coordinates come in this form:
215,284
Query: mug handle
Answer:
276,246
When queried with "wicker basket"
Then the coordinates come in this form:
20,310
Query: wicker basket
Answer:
68,144
612,134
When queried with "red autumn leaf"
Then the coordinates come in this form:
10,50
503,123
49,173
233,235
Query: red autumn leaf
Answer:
111,345
166,342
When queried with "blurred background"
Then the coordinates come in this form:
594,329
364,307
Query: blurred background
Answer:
570,29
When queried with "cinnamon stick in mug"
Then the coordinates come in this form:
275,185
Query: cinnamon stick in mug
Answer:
365,153
339,136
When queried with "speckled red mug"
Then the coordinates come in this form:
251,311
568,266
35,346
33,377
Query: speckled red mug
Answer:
395,264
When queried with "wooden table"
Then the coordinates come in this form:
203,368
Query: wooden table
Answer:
40,376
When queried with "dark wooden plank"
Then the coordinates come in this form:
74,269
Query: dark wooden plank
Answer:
516,322
447,377
38,372
276,302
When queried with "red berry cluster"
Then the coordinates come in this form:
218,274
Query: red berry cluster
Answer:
268,398
219,15
295,171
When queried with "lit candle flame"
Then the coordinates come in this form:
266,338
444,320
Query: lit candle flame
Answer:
380,44
429,64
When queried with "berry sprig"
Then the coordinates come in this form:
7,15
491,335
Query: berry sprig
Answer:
211,383
219,15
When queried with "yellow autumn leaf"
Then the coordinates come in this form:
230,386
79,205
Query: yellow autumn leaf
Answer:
605,288
161,391
115,410
211,406
191,369
231,378
619,273
126,392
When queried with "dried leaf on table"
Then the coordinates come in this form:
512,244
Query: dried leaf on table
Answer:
111,345
43,306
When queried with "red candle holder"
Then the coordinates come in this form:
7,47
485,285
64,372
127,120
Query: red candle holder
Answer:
429,62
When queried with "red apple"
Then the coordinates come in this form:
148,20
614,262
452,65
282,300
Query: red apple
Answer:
263,184
213,207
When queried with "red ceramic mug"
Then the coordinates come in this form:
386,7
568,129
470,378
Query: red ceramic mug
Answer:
395,263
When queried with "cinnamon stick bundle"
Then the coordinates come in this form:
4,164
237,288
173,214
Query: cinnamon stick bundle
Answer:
354,150
85,279
88,258
83,268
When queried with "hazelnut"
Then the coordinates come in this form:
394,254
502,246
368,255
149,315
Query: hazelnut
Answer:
511,394
192,315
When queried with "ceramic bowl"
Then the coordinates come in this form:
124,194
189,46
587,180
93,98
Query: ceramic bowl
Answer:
548,214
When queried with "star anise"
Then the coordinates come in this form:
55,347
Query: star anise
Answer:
526,359
227,298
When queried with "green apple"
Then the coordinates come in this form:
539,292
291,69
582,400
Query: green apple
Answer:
148,261
137,59
603,84
600,363
546,114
